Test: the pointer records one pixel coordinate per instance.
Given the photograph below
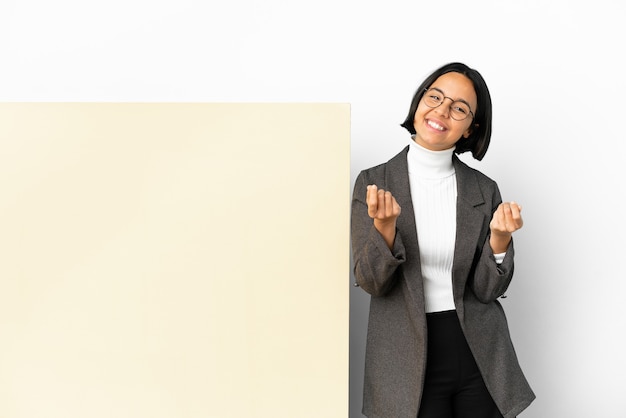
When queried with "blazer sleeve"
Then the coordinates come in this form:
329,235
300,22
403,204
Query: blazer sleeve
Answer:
375,265
491,280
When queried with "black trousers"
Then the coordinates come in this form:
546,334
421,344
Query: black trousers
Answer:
453,386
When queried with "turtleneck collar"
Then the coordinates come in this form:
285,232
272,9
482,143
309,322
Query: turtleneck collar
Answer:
429,164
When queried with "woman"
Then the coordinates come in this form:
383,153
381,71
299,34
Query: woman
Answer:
431,242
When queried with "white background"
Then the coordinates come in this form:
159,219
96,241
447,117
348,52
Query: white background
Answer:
555,71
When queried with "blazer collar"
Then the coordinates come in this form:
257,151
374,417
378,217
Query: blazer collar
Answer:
397,180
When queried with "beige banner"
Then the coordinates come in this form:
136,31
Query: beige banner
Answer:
174,260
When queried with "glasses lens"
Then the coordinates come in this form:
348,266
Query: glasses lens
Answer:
433,98
459,110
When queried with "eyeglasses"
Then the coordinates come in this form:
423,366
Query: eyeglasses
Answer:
459,110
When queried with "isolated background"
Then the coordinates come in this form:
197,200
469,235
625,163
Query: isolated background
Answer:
556,77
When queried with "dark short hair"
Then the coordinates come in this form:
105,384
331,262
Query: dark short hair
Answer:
478,140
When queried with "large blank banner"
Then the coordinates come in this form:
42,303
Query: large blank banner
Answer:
174,260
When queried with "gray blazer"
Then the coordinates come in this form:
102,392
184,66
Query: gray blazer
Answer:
395,359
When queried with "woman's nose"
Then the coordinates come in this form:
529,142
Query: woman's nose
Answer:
444,108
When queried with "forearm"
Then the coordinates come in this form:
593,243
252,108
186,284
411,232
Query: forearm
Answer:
499,242
387,230
492,279
377,248
376,265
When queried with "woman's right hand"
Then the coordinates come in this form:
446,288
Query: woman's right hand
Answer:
383,208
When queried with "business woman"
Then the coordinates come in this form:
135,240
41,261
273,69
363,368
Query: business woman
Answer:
432,245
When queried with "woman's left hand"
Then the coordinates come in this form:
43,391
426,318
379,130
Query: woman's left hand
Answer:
506,219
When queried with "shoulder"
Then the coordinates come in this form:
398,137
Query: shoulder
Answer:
462,169
379,172
476,187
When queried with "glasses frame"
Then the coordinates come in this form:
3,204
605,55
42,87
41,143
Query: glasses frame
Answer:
426,90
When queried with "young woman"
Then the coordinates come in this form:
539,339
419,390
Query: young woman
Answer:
431,242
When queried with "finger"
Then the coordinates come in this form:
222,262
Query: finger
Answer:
516,215
506,209
396,207
372,200
512,218
498,217
507,217
515,210
381,204
388,204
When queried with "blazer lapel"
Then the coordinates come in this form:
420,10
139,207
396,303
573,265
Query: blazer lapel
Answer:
470,227
397,180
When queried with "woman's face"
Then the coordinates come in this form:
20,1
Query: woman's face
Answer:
435,129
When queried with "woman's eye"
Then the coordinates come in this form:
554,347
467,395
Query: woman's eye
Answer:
460,109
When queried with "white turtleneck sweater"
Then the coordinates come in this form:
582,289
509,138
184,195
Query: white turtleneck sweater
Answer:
433,191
